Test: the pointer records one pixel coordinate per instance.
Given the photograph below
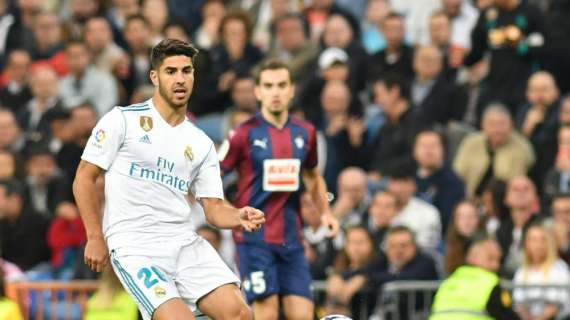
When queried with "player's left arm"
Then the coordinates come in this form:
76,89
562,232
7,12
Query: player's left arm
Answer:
317,188
222,214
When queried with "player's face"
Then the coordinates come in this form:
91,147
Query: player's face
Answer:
275,90
174,79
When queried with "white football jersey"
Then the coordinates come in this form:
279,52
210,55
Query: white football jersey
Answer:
150,167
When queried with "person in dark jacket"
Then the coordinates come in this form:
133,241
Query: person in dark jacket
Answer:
22,231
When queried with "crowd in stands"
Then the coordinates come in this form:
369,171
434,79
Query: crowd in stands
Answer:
439,122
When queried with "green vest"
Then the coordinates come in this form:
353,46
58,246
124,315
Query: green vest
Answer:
464,295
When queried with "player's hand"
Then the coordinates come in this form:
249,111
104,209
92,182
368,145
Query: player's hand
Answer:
330,221
96,253
251,219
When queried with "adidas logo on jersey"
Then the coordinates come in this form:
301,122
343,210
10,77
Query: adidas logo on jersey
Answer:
145,139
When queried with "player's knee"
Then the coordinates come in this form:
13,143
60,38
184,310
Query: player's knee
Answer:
241,312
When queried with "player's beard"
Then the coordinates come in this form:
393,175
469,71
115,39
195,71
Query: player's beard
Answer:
168,96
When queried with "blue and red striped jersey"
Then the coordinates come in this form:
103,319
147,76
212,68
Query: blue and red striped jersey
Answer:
270,163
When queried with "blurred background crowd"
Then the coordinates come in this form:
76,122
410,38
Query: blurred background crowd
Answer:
448,117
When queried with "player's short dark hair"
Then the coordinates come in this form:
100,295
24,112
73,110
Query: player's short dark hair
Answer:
170,47
272,64
392,79
12,187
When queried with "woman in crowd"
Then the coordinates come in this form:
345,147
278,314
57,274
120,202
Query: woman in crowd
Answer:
541,266
466,223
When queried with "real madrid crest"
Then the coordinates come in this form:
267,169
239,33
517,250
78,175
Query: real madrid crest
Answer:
146,123
188,153
159,292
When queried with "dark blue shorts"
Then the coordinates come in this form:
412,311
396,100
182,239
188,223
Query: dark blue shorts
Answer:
268,269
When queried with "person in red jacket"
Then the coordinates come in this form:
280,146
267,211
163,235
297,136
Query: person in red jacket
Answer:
66,235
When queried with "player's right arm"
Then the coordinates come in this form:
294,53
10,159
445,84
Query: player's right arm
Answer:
85,191
100,152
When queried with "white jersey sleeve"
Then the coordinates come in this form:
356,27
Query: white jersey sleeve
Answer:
106,139
208,181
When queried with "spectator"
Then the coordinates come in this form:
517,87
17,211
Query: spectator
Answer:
234,55
498,151
373,38
440,37
343,286
339,130
514,45
138,38
213,12
105,54
522,200
402,260
18,222
558,178
493,206
85,83
435,180
397,56
416,214
537,120
264,14
32,118
15,91
66,237
118,16
156,13
466,224
292,45
382,211
48,43
80,12
332,66
560,224
110,301
319,11
339,34
45,186
320,250
7,165
541,266
9,310
392,145
463,17
353,197
11,138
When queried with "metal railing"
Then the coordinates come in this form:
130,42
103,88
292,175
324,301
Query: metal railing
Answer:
53,300
402,300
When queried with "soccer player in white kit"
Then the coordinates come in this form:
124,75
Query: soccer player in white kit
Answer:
152,157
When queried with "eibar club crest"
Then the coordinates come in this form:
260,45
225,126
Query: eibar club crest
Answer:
146,123
188,153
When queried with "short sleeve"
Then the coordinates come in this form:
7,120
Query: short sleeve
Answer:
208,181
231,150
312,158
105,140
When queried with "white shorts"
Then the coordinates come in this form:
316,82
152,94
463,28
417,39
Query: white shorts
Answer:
154,274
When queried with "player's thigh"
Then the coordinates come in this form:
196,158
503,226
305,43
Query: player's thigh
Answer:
200,272
258,271
225,302
297,307
294,274
266,308
173,309
146,278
